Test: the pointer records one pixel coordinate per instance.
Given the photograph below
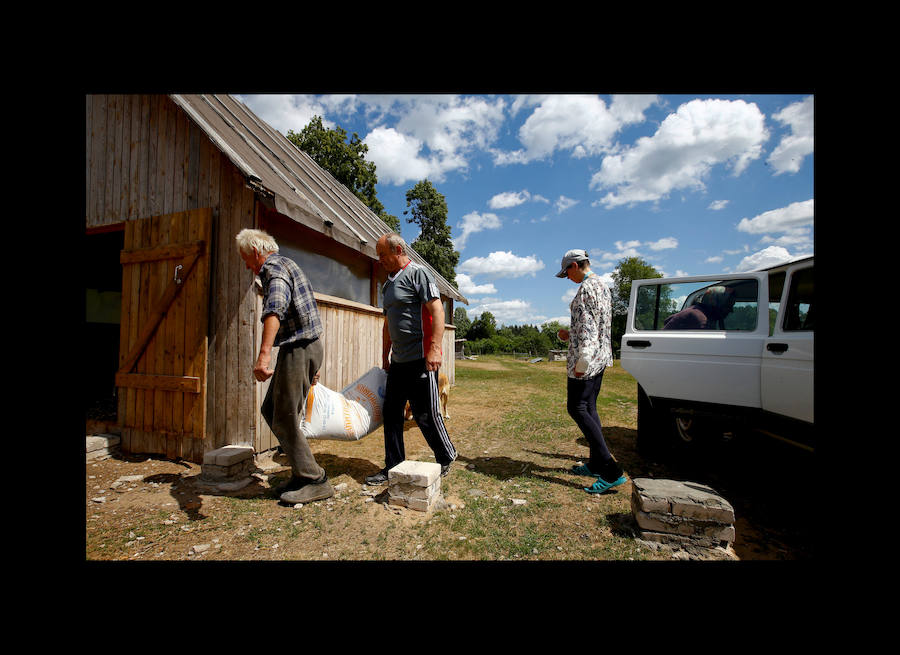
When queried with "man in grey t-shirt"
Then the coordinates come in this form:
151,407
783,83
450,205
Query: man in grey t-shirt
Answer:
411,355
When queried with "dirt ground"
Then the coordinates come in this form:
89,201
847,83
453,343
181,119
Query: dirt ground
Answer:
141,507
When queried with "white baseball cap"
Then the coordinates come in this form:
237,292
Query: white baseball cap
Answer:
569,258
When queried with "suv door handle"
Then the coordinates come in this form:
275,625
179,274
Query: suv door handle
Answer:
777,347
637,344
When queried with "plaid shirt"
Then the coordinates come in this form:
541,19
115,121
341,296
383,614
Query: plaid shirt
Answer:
288,295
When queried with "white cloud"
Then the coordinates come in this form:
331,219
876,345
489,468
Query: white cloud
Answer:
630,248
789,154
468,288
433,135
502,264
508,312
795,215
287,112
717,205
665,243
562,320
475,222
509,199
700,135
396,156
717,259
764,258
581,124
563,203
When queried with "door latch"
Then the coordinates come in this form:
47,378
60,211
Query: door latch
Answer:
178,280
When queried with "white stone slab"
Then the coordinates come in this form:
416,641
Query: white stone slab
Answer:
420,474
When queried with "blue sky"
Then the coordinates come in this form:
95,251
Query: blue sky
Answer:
694,184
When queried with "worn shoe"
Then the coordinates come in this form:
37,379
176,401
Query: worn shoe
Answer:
602,486
309,493
293,484
445,469
378,478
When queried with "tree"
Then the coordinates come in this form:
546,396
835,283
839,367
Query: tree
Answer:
429,212
345,161
628,269
483,327
462,322
550,329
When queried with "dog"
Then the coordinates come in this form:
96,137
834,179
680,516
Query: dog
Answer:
444,393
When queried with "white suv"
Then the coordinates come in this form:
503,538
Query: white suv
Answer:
736,354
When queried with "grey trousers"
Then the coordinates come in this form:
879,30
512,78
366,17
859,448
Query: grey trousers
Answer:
295,368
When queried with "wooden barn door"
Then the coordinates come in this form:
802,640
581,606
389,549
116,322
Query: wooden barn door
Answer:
163,338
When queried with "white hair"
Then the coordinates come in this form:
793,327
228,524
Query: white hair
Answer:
249,240
393,240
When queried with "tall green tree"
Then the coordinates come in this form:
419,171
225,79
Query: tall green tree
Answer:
483,327
429,211
462,322
628,269
346,161
550,329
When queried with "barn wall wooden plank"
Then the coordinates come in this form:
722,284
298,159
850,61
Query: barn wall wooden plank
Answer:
134,150
246,382
153,174
98,161
114,139
88,141
124,160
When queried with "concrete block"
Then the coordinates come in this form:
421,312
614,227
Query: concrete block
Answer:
416,485
228,455
420,474
105,442
418,504
685,499
422,505
677,539
413,491
679,525
234,471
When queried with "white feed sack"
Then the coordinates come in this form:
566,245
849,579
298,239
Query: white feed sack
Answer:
346,416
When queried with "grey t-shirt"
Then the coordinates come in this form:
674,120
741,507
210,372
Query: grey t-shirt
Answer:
409,322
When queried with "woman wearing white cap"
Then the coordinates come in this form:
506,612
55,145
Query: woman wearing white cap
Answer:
590,352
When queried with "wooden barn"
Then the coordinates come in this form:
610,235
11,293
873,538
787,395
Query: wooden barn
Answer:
172,315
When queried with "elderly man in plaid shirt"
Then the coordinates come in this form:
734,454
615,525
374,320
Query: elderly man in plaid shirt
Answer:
291,322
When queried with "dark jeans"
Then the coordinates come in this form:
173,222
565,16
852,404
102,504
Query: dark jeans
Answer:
581,403
296,366
411,381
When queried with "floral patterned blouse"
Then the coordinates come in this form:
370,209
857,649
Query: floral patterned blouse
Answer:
589,332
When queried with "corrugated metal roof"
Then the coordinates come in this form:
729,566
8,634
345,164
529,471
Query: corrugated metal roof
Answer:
299,188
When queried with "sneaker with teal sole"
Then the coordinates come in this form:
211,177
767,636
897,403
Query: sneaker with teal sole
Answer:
582,469
602,486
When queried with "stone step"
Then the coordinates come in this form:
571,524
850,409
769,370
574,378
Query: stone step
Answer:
416,485
690,500
672,511
101,445
228,463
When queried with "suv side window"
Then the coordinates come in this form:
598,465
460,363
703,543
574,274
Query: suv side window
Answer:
705,305
798,314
